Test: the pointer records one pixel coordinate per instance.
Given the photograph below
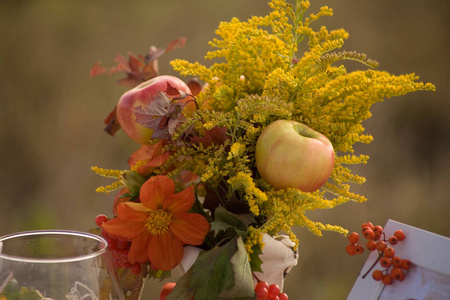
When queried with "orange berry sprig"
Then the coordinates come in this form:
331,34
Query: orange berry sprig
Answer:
393,266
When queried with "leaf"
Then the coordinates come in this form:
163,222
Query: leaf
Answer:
162,115
212,271
214,136
255,261
224,272
182,290
194,86
112,123
138,68
243,279
174,93
224,216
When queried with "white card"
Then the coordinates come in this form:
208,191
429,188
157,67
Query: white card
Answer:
428,278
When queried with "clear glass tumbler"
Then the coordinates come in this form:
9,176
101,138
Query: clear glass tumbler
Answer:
56,265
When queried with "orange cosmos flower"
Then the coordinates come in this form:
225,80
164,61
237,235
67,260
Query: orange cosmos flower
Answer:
160,225
147,157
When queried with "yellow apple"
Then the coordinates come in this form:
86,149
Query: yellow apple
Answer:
289,154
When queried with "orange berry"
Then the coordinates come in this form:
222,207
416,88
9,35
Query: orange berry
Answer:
381,245
359,249
400,235
353,237
351,249
396,261
389,252
378,230
377,275
371,245
387,279
393,240
397,273
369,234
406,264
385,262
368,224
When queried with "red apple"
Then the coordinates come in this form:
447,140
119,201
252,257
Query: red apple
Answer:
292,155
142,95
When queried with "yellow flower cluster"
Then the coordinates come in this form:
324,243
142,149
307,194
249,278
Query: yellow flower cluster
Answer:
259,79
110,174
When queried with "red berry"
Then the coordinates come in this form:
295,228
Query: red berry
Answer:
353,237
385,262
359,249
371,245
136,268
396,261
283,296
387,279
389,252
393,240
397,273
262,289
351,249
377,275
400,235
274,290
406,264
369,234
100,219
381,245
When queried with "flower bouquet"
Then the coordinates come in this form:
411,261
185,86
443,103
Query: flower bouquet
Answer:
231,160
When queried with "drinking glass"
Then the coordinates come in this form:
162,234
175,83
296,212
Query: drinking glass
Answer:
57,264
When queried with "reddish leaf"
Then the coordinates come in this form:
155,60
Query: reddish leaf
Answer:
97,70
112,124
195,86
214,136
162,115
138,68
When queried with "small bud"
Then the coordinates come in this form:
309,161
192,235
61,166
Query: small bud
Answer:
132,180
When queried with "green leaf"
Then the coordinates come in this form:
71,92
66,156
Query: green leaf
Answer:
223,272
213,272
243,279
223,215
255,261
182,290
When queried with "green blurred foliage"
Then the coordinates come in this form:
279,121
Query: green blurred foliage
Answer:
51,115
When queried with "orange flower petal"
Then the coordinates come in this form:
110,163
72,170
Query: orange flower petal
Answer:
124,229
138,249
165,251
132,212
180,202
190,228
147,169
155,190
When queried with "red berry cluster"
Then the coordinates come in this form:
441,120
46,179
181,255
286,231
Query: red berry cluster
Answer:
394,266
118,248
264,291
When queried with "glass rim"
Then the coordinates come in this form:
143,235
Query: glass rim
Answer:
103,244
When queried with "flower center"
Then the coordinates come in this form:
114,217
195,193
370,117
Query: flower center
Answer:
158,221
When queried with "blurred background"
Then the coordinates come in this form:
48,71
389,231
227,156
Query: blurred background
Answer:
51,115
